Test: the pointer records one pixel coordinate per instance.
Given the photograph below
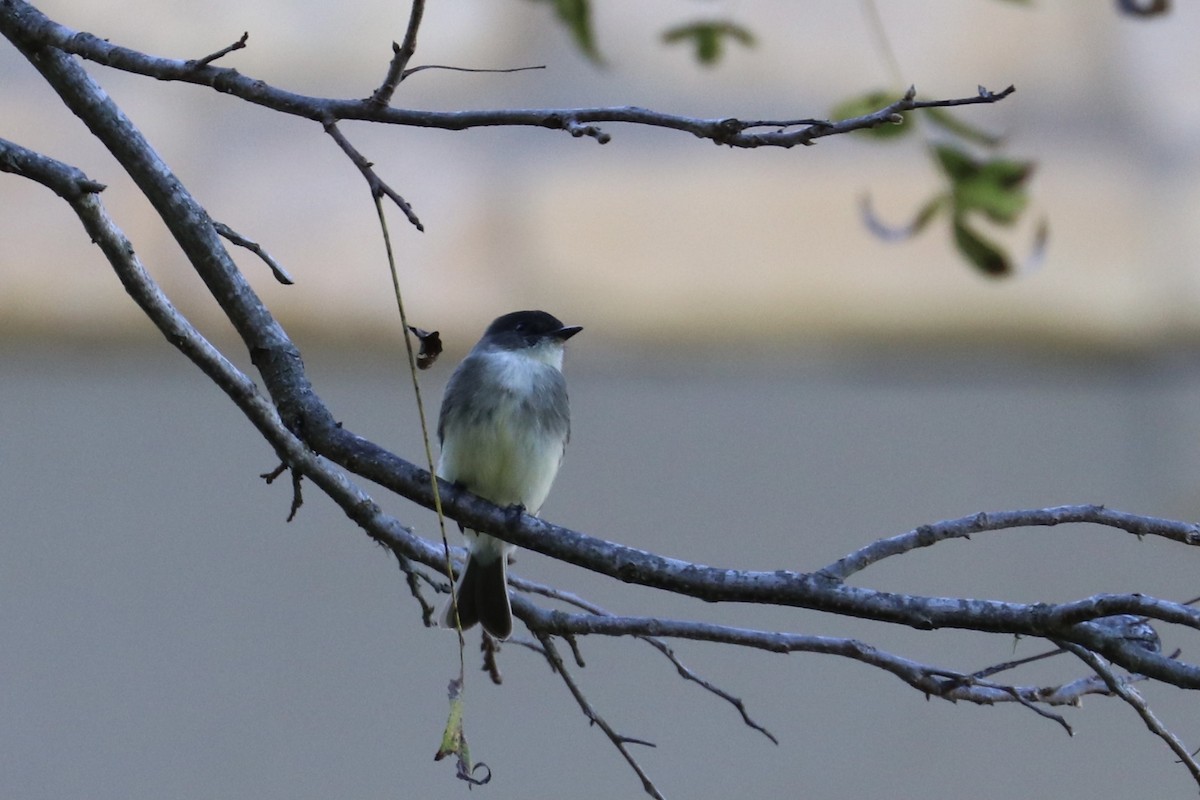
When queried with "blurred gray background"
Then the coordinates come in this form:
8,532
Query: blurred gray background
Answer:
760,385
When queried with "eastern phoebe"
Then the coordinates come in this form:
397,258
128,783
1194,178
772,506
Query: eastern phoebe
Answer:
504,424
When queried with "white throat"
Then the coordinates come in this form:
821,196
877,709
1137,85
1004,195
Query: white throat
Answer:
518,369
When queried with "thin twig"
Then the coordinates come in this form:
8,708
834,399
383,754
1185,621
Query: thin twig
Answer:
407,332
424,67
662,647
401,54
1019,662
1027,697
297,495
270,477
962,528
1035,708
224,51
619,741
949,685
413,578
377,185
229,233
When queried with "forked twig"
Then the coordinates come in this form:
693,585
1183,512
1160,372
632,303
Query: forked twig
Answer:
682,669
619,741
379,187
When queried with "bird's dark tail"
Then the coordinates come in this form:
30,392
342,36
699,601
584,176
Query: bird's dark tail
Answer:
482,592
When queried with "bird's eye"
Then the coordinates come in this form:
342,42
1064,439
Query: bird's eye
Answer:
521,326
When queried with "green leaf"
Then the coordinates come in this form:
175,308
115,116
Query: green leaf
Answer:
995,188
1007,174
869,103
956,163
989,258
999,204
577,16
708,37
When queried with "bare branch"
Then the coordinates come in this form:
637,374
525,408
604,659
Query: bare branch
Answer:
413,578
378,187
297,495
619,741
64,180
933,681
683,670
1182,532
401,55
35,29
229,233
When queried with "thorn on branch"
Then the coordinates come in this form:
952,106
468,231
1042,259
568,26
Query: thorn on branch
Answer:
224,51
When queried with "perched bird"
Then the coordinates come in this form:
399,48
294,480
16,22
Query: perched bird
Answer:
504,424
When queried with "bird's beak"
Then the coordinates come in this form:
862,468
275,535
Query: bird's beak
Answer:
566,332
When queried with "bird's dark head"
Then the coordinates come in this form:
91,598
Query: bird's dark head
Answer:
524,329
